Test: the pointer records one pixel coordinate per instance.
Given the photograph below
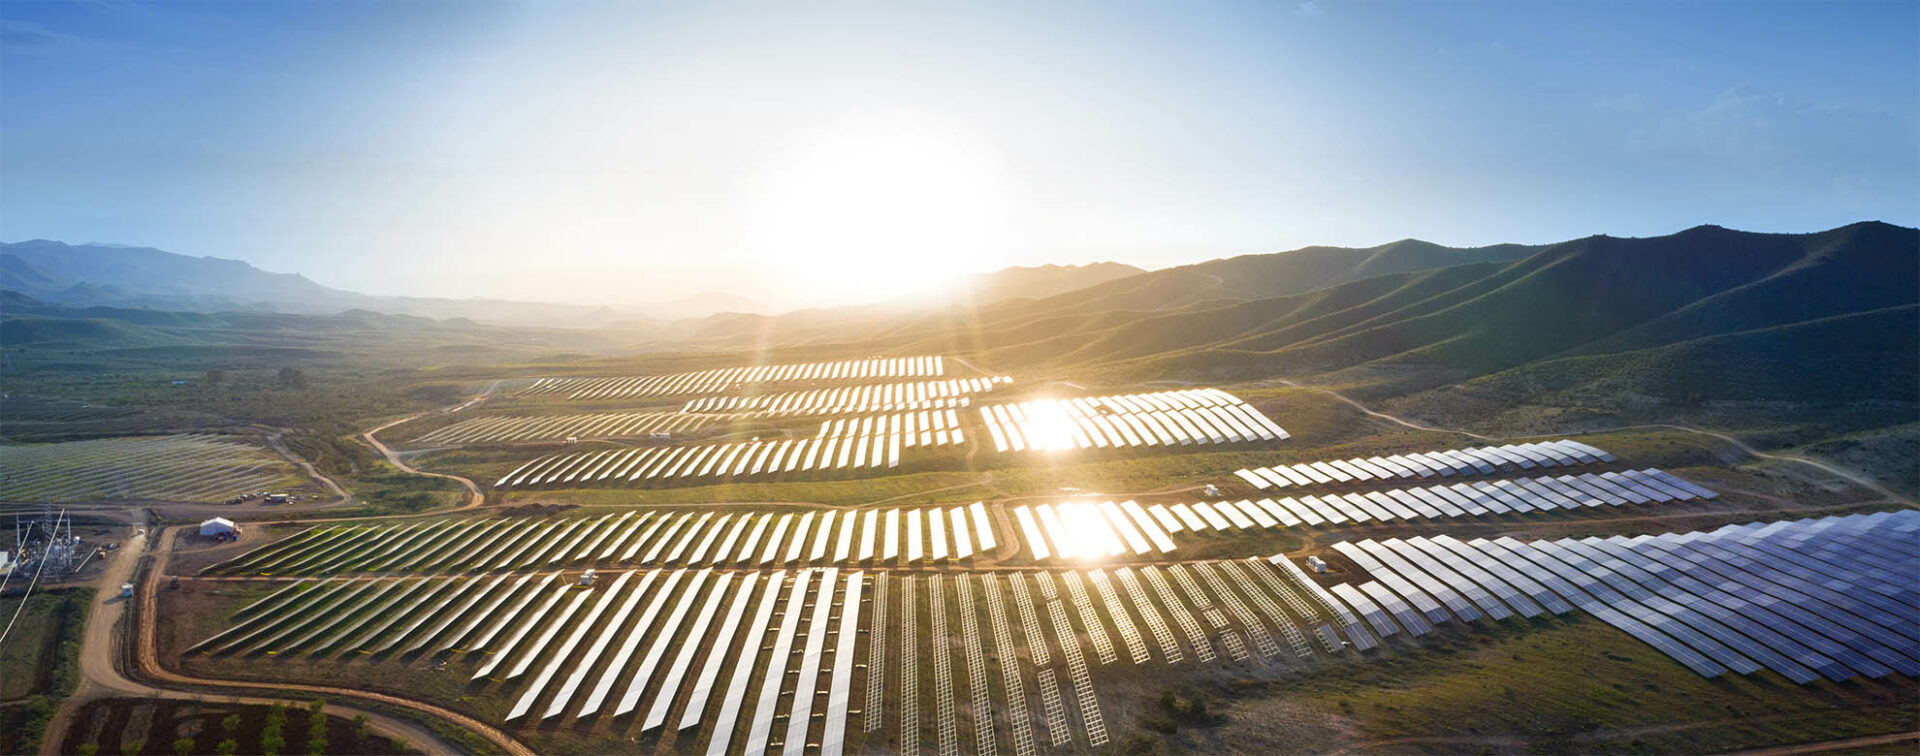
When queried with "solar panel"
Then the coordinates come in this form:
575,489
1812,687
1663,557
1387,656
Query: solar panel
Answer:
742,668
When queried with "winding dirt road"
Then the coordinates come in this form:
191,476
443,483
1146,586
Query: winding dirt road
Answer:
102,657
475,498
100,675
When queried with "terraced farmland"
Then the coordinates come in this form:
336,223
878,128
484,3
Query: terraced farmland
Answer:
185,468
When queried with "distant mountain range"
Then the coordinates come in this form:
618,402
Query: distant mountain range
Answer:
86,275
1702,315
1041,281
89,275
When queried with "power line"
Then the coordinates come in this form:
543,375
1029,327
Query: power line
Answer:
30,586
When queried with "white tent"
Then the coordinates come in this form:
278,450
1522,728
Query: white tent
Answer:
219,526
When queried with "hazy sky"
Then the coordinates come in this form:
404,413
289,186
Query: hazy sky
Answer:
792,152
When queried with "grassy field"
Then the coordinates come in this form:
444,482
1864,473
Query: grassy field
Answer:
1573,685
40,663
35,660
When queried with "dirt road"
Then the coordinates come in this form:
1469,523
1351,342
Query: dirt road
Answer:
339,494
100,676
474,497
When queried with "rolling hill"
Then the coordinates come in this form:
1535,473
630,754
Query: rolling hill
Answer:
1671,316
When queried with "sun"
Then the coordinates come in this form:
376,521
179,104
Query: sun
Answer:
881,211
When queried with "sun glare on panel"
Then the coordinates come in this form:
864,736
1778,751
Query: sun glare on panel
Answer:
1052,429
881,211
1085,526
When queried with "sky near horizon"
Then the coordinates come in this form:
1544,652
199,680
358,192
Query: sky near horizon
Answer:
810,153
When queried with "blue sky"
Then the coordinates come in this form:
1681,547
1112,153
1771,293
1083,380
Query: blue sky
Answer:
809,152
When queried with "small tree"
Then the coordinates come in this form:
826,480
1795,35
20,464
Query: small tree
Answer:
317,736
293,378
271,741
132,747
317,727
89,748
214,377
183,746
227,747
230,724
361,726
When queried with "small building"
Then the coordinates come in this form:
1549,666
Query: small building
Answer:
571,440
126,590
1317,564
219,527
586,578
278,498
1211,490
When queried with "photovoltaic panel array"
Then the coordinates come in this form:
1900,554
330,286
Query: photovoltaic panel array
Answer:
516,428
197,468
1435,464
855,443
1165,418
953,393
721,380
1827,598
687,645
660,537
1483,498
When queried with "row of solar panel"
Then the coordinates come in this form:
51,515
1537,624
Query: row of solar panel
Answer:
511,629
500,428
650,637
880,397
669,537
855,443
723,379
1488,497
1168,418
1832,597
1477,461
1093,530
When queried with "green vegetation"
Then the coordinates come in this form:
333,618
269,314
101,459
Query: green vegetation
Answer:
271,737
40,663
1576,686
115,725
